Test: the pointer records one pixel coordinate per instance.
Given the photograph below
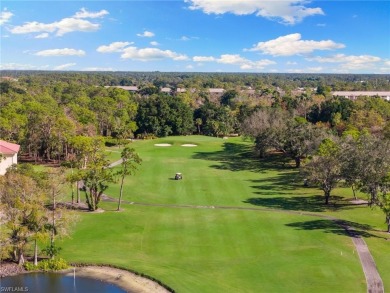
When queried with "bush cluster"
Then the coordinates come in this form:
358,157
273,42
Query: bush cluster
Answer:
47,265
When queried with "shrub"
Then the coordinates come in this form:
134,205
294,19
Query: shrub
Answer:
47,265
110,142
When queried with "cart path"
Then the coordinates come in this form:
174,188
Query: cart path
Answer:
373,279
116,163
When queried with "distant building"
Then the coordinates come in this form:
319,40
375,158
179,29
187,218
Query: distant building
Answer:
181,90
8,78
166,90
9,155
125,87
353,95
217,91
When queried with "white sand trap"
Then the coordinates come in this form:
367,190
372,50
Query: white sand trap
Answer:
189,145
162,144
358,201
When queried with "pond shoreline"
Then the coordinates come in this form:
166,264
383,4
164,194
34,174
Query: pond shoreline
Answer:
122,278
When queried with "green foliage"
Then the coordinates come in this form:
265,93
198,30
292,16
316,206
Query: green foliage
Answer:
110,142
328,148
216,120
164,115
47,265
52,250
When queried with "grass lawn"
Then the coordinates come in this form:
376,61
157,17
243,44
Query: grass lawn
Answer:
214,250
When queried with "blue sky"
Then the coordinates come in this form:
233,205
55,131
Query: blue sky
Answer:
197,35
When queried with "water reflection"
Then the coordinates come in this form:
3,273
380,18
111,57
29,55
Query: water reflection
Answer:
55,283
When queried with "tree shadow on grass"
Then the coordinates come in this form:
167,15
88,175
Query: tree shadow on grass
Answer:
282,181
298,203
337,227
240,157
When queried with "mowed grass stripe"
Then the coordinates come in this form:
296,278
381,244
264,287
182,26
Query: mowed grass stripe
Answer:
211,250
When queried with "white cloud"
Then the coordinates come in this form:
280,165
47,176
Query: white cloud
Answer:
244,63
5,16
287,11
147,54
83,13
60,52
18,66
231,59
185,38
203,58
352,62
146,34
307,70
189,67
64,66
154,43
291,63
42,36
66,25
235,59
292,44
98,69
63,26
113,47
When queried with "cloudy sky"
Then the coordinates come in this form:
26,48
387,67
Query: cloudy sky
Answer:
197,35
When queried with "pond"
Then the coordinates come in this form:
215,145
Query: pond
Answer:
55,283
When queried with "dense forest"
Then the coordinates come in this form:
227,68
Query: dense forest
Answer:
47,113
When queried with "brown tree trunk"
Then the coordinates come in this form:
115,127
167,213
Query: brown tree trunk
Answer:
20,257
120,194
354,191
78,192
297,162
327,196
388,223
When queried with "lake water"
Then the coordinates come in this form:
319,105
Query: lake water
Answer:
55,283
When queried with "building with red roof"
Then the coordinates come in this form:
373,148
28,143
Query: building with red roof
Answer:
8,155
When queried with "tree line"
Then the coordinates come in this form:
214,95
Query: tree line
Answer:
31,213
357,157
47,113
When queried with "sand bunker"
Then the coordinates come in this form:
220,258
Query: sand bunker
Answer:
189,145
358,201
124,279
162,144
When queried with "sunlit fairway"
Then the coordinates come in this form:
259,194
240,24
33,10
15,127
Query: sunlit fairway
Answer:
199,248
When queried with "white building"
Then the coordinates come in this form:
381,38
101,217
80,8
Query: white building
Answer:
9,155
353,95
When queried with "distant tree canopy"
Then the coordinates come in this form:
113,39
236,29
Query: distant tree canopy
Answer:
164,115
45,111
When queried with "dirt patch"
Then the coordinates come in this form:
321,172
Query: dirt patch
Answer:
188,145
122,278
10,269
162,144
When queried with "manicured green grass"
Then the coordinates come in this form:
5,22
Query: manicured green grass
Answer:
210,250
214,250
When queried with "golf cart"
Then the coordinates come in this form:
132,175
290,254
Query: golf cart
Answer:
178,176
